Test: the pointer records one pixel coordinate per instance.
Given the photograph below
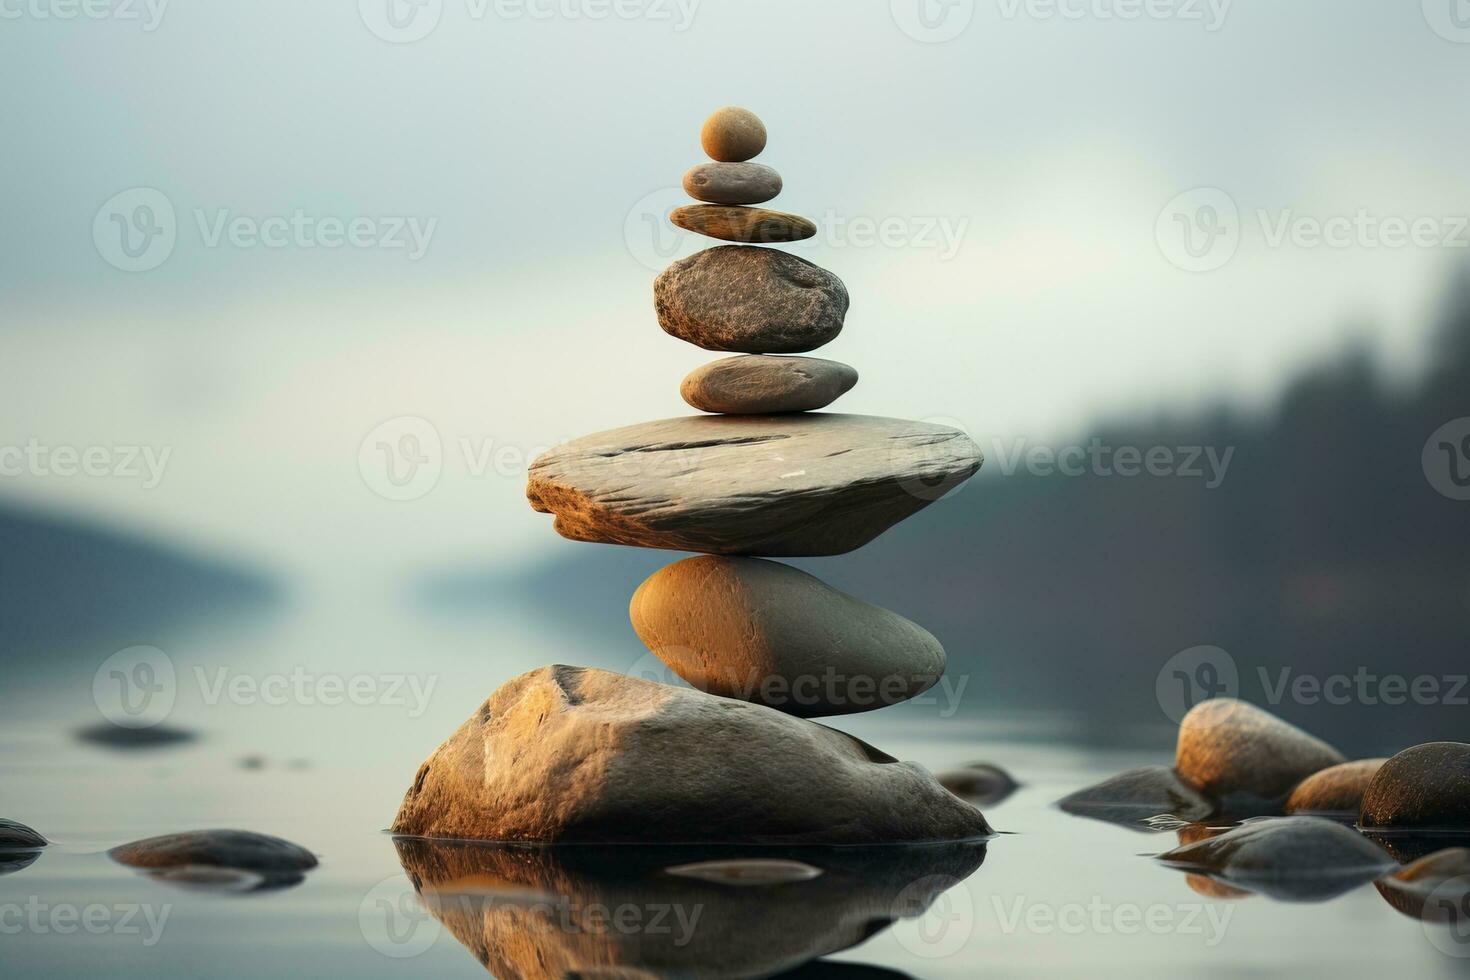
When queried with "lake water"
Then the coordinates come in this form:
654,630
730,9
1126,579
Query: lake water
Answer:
1055,894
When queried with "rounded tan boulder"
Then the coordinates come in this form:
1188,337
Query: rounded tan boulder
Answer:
1247,759
576,754
1338,790
771,634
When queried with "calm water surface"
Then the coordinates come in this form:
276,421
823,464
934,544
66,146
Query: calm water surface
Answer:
1055,893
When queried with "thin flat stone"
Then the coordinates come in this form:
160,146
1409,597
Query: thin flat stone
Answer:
773,485
739,224
757,384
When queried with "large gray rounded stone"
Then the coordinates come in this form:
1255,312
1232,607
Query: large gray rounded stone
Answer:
1247,759
575,754
765,383
750,299
732,183
776,485
1424,788
771,634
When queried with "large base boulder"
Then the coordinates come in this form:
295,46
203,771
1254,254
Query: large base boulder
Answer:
575,754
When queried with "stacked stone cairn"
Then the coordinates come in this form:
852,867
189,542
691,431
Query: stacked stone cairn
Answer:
561,753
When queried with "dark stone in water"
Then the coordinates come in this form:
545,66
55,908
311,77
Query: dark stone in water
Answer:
980,783
13,861
1425,788
509,905
113,736
196,858
1131,798
1435,888
16,836
1294,859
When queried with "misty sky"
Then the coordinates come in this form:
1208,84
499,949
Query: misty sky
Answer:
461,228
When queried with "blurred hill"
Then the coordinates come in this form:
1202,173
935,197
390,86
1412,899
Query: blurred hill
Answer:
1324,551
67,586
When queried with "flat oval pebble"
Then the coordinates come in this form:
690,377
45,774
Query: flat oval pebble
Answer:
1245,758
1131,798
771,634
16,836
1338,790
750,299
239,849
732,134
763,383
1426,787
736,224
754,871
732,183
776,485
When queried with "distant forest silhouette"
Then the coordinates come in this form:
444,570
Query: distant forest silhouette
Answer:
1325,551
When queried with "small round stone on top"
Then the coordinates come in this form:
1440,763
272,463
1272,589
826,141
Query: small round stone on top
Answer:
733,135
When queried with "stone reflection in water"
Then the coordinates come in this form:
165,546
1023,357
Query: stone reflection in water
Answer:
1290,859
552,912
1433,889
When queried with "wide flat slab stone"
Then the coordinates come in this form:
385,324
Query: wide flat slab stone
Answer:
776,485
